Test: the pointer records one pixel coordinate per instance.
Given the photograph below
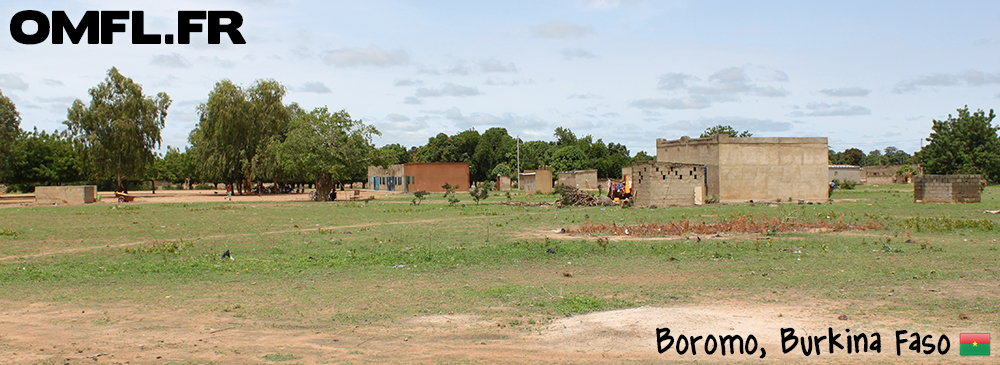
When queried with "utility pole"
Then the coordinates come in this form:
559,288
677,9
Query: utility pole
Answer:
518,156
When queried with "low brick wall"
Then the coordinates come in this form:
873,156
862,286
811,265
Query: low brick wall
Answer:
667,184
946,188
65,194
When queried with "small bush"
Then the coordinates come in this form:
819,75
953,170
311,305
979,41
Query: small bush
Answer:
419,197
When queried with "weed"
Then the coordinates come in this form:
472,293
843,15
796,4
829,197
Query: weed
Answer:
280,357
8,232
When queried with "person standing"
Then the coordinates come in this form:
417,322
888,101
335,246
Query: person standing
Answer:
229,192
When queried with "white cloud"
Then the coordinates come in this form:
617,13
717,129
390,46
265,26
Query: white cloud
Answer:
561,30
507,120
460,68
496,66
173,60
725,85
584,96
493,81
671,103
447,89
12,82
978,78
315,87
51,82
371,56
408,82
573,53
832,110
412,100
847,92
927,80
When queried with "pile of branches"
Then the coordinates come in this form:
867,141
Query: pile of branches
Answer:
572,196
740,224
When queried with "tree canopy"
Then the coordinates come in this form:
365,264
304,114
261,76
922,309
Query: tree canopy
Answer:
328,148
235,125
10,121
724,129
120,128
967,144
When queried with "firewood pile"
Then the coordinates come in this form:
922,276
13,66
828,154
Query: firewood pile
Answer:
575,197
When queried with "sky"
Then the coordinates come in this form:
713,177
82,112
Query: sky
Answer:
864,74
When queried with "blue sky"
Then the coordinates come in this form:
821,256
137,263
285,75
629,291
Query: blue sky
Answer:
865,74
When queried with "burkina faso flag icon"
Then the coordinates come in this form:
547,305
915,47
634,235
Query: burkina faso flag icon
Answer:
974,344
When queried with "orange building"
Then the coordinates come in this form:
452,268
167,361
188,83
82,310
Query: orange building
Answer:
431,176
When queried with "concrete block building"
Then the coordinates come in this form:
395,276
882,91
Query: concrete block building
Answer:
667,184
754,168
580,179
946,188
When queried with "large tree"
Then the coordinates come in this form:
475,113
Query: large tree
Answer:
724,129
120,128
495,147
328,147
235,125
46,159
10,122
968,144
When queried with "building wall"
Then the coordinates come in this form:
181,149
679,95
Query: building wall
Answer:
883,175
580,179
946,188
378,177
503,182
845,172
667,184
65,194
431,176
755,168
540,180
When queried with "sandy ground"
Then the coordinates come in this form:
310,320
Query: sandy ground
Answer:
125,333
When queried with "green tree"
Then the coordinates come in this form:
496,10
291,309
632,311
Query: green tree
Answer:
393,154
40,158
643,156
235,125
851,156
968,144
10,122
724,129
327,147
120,128
568,158
564,137
495,146
179,166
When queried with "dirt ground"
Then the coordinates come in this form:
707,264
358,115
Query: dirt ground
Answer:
125,333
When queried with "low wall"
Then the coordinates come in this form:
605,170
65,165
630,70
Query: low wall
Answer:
946,188
667,184
65,194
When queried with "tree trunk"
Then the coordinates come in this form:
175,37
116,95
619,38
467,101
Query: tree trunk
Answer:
324,185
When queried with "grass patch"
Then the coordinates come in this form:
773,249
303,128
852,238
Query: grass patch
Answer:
280,357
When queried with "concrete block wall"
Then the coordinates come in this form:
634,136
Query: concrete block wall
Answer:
946,188
65,194
667,184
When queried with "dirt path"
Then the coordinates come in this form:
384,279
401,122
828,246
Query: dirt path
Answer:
120,333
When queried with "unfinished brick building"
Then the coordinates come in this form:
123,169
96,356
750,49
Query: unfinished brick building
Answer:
536,181
667,184
946,188
580,179
755,168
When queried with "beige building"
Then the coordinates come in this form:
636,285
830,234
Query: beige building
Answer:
884,175
503,182
66,194
845,173
755,168
536,181
580,179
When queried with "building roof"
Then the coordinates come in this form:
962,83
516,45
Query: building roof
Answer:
844,167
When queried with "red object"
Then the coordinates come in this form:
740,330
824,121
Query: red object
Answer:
969,338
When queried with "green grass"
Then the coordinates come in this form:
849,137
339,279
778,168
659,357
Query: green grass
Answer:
333,264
